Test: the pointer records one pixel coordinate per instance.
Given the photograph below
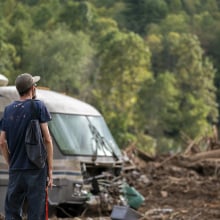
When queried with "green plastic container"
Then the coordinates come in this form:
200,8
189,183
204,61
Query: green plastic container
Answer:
134,198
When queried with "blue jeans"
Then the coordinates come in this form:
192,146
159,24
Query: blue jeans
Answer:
29,185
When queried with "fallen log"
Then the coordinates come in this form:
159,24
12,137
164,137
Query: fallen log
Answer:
204,155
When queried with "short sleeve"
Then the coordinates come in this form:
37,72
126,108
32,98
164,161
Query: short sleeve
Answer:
2,122
44,113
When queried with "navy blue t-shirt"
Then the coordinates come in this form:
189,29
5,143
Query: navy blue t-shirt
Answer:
15,120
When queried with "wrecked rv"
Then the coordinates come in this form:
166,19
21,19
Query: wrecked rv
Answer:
87,160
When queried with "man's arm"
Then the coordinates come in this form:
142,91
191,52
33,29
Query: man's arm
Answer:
49,148
4,147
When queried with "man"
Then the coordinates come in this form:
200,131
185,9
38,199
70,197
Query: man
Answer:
26,181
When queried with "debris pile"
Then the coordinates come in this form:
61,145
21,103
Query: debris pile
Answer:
181,186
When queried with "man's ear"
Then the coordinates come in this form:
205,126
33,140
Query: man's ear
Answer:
33,90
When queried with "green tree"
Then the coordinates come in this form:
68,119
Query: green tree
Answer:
158,110
175,23
102,27
124,65
141,13
43,15
174,6
19,24
192,108
206,27
46,15
19,37
78,15
62,58
196,81
20,13
8,60
191,6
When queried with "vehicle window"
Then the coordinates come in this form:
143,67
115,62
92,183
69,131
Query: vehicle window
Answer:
74,135
103,130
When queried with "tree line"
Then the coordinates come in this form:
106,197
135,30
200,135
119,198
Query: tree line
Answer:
151,67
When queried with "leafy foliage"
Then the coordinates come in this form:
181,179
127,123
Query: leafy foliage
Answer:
150,66
124,65
63,65
183,99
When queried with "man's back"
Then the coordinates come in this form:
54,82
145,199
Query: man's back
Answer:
16,119
26,181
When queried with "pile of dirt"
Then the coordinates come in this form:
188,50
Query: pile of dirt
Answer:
181,186
177,187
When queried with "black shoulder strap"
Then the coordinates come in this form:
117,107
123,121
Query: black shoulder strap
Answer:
33,111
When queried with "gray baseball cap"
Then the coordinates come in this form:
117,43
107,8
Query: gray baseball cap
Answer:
25,81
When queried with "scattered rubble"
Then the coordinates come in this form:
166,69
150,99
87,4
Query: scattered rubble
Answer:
182,186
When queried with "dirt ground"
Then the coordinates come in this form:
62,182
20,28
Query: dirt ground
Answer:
180,193
175,188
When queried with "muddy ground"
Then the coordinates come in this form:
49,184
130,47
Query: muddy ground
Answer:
174,187
180,193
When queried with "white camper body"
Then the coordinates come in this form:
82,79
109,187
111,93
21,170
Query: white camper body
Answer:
84,148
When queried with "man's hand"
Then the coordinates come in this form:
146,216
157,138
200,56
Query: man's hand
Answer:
4,147
50,179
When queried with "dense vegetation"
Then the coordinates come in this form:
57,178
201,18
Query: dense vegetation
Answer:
150,66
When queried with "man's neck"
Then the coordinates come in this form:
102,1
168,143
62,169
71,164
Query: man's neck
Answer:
25,97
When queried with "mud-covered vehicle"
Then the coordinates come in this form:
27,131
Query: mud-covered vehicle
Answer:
87,160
